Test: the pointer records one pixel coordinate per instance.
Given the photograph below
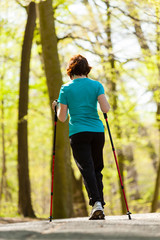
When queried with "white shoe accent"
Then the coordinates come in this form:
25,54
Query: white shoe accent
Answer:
97,211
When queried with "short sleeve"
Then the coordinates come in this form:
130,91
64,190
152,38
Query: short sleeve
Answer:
100,89
62,96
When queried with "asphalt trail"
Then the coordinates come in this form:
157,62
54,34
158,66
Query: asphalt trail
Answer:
141,227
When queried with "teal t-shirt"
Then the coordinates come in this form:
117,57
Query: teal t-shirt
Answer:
81,96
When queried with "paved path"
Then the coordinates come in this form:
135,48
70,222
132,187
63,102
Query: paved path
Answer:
142,226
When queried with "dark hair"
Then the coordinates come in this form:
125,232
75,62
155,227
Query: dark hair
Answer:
78,65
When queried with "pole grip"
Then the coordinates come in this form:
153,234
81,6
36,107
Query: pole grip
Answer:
55,110
105,115
55,116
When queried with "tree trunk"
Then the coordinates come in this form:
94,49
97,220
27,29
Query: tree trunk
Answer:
4,170
157,184
25,206
138,30
79,204
152,154
62,192
132,173
112,84
3,184
156,191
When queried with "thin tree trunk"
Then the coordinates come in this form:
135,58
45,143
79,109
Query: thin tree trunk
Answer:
157,184
79,204
156,191
112,84
3,184
25,205
3,178
62,192
152,154
132,173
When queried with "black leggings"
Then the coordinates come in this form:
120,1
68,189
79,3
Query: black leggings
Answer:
87,150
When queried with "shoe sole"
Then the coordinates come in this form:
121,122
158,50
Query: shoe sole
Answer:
97,215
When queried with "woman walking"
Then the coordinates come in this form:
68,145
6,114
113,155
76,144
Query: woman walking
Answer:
86,131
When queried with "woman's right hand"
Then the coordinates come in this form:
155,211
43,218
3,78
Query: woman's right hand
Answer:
54,103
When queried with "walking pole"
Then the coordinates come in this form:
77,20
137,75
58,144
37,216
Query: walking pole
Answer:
128,212
53,160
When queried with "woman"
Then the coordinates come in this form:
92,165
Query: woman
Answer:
86,131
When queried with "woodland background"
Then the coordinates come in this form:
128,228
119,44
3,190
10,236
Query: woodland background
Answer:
121,40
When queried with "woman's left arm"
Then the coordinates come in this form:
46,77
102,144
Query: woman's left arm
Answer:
62,111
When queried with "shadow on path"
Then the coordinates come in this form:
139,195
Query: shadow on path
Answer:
25,235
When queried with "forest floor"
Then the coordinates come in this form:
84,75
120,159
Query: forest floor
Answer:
142,226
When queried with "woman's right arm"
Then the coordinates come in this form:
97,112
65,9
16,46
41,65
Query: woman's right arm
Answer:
104,105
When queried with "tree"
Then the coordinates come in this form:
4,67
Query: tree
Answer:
3,183
25,206
112,87
79,203
62,194
157,98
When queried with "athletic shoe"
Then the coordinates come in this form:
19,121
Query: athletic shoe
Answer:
97,212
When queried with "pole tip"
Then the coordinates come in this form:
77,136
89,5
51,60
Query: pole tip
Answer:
50,218
129,215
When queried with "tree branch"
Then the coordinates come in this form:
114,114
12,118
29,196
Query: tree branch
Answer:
69,35
130,16
25,7
75,25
